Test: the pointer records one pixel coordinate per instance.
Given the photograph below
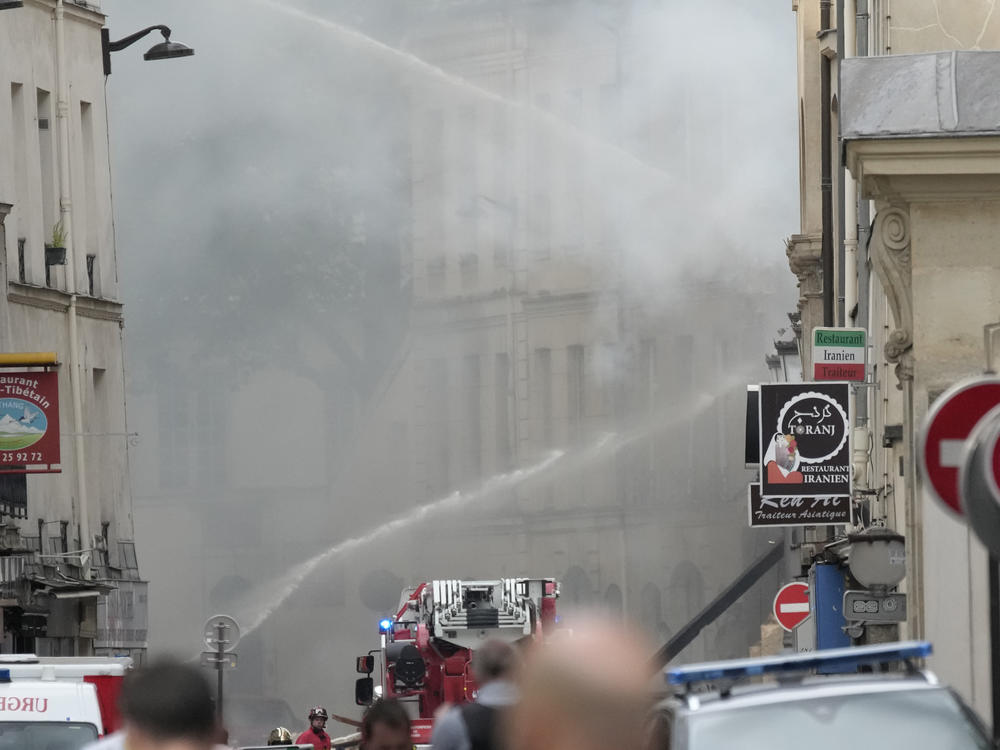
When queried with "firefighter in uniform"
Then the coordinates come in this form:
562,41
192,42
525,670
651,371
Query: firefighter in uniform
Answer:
279,736
316,734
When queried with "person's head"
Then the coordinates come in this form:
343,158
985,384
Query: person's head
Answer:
386,726
317,718
279,736
494,660
168,706
589,691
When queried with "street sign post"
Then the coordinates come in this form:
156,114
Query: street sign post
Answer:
839,353
791,604
222,633
947,427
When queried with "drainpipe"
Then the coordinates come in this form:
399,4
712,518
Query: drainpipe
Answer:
826,178
846,199
863,218
65,216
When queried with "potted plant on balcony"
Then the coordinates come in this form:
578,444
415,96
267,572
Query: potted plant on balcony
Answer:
55,249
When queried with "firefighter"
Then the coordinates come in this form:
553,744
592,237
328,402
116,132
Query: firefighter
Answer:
316,734
279,736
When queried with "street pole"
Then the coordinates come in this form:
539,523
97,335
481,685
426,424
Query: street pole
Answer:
66,218
220,632
995,642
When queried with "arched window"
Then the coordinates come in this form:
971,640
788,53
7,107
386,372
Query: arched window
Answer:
651,612
575,589
686,593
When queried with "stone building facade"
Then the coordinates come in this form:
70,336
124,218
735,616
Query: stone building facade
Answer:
911,210
71,578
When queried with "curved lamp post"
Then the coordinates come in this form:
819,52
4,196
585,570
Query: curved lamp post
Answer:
162,51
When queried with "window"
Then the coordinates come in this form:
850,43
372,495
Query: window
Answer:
469,271
575,389
210,436
610,109
543,391
91,284
541,226
19,153
439,432
433,177
87,229
21,273
574,106
126,553
174,437
473,417
46,160
501,410
436,275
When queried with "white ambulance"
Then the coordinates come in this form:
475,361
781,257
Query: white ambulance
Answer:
52,703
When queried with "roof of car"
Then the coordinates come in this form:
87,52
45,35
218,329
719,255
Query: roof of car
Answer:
793,689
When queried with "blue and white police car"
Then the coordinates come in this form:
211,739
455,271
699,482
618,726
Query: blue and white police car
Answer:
820,700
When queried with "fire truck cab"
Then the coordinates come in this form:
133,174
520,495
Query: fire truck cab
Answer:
424,658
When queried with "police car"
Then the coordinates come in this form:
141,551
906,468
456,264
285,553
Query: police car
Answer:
818,701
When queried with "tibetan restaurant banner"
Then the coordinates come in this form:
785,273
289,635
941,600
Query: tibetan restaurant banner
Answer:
29,422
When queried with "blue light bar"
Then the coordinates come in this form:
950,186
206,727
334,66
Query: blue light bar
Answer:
832,660
384,625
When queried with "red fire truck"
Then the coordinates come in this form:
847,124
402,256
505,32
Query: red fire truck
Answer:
426,648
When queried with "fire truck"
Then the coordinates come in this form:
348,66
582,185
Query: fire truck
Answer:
426,648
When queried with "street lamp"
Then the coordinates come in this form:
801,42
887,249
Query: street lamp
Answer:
162,51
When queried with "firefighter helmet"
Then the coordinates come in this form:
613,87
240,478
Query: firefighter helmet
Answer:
318,713
279,736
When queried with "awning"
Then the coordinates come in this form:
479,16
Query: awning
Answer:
64,587
81,594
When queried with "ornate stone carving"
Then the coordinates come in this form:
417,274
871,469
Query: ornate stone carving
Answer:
889,249
805,258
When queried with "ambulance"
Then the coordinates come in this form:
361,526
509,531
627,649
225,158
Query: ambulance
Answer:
58,703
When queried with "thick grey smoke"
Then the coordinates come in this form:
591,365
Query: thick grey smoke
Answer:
283,198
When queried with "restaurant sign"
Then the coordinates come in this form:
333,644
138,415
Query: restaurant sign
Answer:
29,422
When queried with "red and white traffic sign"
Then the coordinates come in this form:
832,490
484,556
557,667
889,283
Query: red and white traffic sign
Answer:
979,480
791,604
946,429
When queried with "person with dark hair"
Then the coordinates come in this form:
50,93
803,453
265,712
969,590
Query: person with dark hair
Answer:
386,726
164,705
476,726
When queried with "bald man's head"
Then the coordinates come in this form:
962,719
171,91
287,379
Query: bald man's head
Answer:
589,691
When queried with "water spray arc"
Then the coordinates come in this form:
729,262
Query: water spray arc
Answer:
560,128
557,462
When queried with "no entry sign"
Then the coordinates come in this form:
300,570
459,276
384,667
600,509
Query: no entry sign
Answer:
979,480
791,605
947,427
